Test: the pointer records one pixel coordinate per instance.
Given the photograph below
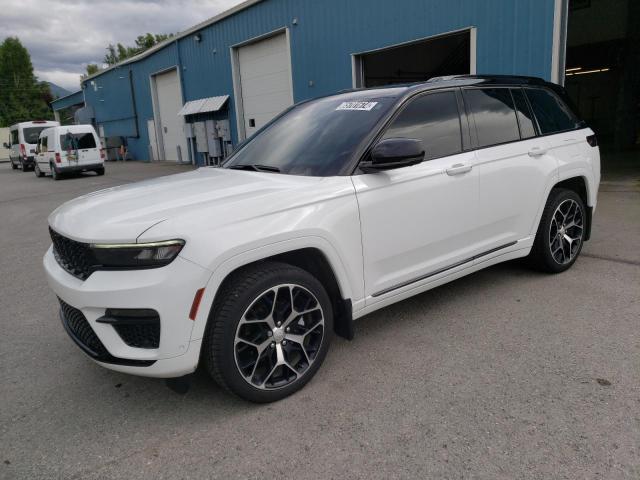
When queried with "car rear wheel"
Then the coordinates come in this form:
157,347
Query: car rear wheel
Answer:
54,173
13,165
37,171
99,171
269,332
561,232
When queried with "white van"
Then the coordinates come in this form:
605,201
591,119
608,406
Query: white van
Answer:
72,148
23,138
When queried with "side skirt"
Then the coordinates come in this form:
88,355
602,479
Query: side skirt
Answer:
436,282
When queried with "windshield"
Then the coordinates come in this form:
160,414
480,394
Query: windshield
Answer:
31,134
315,138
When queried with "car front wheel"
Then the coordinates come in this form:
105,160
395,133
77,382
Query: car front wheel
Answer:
561,232
268,332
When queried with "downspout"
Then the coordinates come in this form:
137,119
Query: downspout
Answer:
190,152
133,101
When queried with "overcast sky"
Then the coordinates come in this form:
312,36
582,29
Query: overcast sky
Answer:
63,36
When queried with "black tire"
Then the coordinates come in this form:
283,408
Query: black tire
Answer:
242,291
13,165
542,254
99,171
22,167
54,173
36,169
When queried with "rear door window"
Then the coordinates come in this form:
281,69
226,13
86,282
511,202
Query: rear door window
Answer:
525,116
494,115
77,141
31,134
434,119
552,114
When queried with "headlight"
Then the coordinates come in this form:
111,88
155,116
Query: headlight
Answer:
136,255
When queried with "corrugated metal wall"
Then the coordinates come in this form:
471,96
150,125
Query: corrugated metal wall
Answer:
513,37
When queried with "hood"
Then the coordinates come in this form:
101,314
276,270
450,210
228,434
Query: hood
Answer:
122,214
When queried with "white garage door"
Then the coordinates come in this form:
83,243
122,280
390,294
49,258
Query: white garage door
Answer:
169,103
265,81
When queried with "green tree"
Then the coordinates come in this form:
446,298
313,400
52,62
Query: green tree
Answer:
119,52
22,96
92,68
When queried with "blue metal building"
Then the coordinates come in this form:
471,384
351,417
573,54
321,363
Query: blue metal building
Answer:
264,55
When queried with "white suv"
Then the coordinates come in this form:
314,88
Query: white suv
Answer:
340,206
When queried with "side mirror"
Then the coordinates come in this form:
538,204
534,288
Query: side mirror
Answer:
394,153
6,145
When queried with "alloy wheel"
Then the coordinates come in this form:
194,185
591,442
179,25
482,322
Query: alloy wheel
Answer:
566,231
279,337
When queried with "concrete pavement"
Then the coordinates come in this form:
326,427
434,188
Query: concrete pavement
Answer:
504,374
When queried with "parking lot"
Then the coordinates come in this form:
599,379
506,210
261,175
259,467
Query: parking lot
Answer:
504,374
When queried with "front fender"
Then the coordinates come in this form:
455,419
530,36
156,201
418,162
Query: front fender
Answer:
349,287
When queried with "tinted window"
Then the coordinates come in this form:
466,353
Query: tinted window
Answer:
525,117
77,141
43,144
551,112
14,137
316,138
434,119
495,118
31,134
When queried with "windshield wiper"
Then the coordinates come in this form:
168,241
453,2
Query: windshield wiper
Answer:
256,167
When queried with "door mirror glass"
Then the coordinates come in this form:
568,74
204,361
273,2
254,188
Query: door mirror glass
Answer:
6,145
395,153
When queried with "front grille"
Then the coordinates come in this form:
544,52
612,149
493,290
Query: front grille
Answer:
78,328
75,257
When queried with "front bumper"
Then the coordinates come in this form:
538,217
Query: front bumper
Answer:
168,290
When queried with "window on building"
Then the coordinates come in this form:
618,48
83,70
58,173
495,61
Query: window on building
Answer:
553,114
434,119
525,116
494,115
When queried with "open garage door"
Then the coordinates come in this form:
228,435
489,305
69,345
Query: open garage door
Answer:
450,54
603,77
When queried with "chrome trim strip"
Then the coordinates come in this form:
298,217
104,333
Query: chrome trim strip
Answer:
441,270
165,243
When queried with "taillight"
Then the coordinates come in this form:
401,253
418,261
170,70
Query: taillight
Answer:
23,150
58,160
102,153
592,140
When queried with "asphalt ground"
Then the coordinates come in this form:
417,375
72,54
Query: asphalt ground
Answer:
503,374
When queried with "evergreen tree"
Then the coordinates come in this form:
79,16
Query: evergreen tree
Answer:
22,96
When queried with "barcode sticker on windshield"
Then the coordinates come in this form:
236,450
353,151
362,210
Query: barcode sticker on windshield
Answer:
364,106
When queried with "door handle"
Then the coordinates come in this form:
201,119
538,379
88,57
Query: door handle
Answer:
458,169
537,151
